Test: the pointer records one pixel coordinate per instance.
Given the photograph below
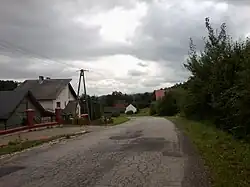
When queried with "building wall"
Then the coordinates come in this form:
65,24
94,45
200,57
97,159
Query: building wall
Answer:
159,94
64,97
16,119
131,108
78,110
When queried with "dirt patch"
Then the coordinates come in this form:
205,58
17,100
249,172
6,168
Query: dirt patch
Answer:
195,173
127,135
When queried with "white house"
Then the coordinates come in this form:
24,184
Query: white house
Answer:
131,108
53,93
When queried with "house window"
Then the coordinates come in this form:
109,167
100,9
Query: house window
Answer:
58,104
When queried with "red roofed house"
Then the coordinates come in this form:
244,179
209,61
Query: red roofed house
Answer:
120,105
159,94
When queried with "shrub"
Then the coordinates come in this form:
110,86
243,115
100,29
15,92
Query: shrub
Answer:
80,121
167,106
115,114
152,109
218,88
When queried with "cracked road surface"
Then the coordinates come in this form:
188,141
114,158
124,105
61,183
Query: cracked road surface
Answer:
145,151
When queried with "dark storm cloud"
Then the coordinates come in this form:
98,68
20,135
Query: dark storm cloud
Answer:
235,2
38,27
136,73
49,29
27,68
153,82
166,38
142,64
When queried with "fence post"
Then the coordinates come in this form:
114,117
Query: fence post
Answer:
30,113
58,115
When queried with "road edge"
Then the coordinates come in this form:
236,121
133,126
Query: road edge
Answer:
195,172
6,157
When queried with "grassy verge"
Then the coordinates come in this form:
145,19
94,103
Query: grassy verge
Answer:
142,112
119,120
19,145
227,158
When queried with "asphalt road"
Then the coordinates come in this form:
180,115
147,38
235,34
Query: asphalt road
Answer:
145,151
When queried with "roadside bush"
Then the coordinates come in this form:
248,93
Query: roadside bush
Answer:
167,106
80,121
219,86
152,109
115,114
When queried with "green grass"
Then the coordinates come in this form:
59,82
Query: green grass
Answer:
119,120
143,112
19,145
227,158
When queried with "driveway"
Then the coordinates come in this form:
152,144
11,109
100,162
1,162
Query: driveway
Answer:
145,151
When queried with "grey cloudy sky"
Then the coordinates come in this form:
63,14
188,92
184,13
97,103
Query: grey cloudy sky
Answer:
128,45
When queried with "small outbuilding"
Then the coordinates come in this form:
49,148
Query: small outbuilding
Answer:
131,108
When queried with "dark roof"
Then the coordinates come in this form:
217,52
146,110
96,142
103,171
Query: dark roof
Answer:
49,89
9,100
70,108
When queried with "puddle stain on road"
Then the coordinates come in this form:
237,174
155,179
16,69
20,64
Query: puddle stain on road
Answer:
148,144
6,170
127,135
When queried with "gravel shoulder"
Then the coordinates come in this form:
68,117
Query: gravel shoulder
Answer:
195,172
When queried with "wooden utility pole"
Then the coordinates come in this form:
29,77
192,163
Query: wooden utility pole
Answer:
85,92
78,92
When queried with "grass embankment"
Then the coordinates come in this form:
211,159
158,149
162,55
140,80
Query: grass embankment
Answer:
119,120
19,144
142,112
227,158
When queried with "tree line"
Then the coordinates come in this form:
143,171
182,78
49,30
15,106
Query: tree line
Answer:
95,103
7,85
218,89
140,100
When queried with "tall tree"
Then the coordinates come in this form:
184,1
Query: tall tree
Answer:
8,85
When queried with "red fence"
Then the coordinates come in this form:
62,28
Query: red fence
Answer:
30,123
18,129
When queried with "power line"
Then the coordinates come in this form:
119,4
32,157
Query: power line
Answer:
45,59
7,45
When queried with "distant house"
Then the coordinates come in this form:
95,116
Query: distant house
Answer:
13,106
120,105
111,111
53,93
159,94
131,108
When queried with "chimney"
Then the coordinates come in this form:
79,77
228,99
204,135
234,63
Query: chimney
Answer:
41,78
